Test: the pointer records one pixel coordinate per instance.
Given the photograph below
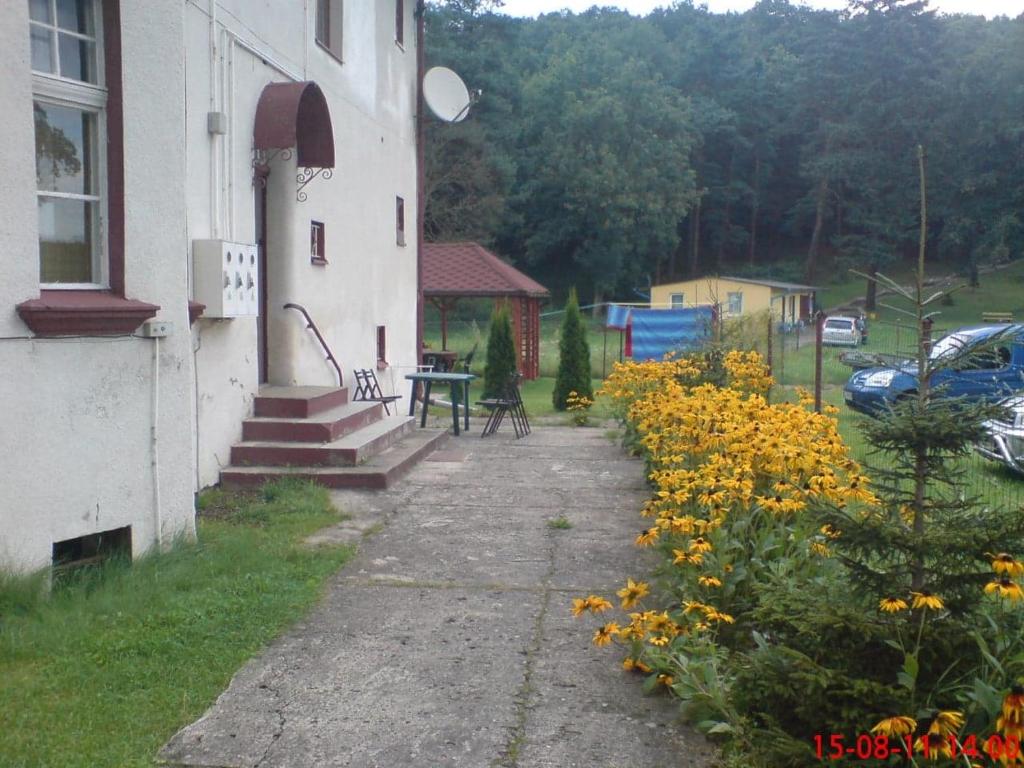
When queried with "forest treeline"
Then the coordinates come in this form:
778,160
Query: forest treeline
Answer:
610,151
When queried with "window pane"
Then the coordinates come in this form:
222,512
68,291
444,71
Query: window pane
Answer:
42,51
66,240
39,10
322,19
77,59
76,15
65,149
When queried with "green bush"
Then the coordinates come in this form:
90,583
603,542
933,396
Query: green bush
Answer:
501,353
573,357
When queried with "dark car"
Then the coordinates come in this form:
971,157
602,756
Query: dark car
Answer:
981,363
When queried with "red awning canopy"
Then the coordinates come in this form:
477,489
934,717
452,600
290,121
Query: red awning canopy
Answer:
295,115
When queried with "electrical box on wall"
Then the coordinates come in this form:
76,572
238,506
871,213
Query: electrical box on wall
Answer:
226,278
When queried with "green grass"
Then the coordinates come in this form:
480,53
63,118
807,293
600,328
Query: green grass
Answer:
103,670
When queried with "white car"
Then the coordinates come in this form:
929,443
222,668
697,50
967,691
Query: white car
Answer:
1005,441
841,331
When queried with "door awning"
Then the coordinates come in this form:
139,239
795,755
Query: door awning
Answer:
295,115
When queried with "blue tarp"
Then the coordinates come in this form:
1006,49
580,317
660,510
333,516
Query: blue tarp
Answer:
659,331
618,317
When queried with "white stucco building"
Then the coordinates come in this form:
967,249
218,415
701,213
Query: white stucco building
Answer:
166,135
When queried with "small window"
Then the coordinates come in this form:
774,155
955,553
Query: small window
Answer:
400,22
329,15
735,306
317,249
93,548
382,346
676,300
400,221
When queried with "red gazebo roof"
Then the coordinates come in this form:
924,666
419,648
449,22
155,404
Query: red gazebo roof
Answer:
469,269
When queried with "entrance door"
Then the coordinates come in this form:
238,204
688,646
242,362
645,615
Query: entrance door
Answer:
261,245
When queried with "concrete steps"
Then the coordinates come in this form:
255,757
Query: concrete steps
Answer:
352,448
378,472
322,427
317,434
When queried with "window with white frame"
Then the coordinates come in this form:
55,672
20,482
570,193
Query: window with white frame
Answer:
735,306
676,300
69,102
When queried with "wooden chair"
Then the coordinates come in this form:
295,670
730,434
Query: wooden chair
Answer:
368,388
509,402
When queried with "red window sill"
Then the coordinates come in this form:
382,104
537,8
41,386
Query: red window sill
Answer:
84,313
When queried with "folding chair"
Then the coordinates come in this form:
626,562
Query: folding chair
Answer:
368,388
508,402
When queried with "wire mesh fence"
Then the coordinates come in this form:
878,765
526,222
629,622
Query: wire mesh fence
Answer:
795,356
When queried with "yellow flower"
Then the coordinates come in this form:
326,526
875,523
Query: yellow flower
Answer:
946,723
633,591
925,599
635,665
647,537
659,641
604,634
666,680
1005,587
829,532
685,558
900,725
580,605
709,581
1004,563
1012,714
598,604
700,544
892,605
821,549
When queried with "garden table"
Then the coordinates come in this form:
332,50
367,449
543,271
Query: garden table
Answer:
459,383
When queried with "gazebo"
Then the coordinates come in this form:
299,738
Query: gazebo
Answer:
453,271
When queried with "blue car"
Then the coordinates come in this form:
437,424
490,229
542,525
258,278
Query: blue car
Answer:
994,371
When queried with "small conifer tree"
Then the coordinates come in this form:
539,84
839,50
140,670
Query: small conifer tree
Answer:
501,353
573,357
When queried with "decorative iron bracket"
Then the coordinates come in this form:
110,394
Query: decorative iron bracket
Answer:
306,175
261,160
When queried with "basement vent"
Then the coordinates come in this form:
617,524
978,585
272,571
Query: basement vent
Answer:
94,548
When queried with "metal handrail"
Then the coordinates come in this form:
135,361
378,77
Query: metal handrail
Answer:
319,337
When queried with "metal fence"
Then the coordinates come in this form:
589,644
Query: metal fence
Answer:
800,358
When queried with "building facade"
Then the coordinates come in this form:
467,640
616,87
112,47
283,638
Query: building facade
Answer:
788,302
229,153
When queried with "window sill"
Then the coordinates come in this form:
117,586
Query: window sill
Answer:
84,313
329,52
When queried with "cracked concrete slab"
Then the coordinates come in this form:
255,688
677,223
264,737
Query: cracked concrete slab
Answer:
447,640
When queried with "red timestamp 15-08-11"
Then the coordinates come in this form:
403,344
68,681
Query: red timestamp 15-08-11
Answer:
868,746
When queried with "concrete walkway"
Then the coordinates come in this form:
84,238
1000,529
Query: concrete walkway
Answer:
448,640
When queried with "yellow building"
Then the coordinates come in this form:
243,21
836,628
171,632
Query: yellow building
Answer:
789,302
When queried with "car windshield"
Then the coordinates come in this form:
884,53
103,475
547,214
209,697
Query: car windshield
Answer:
839,325
954,344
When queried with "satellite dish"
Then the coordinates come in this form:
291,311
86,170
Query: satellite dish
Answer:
446,94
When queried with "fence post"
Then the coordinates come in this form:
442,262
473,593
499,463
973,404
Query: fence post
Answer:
768,351
819,334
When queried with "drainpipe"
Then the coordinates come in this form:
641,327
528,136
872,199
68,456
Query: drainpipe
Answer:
421,203
154,436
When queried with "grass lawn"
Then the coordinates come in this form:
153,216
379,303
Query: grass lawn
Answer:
119,657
